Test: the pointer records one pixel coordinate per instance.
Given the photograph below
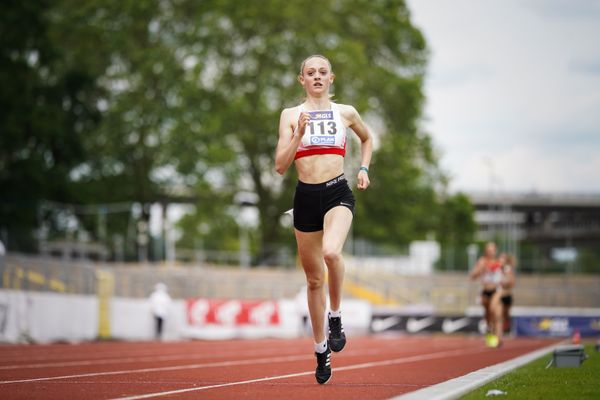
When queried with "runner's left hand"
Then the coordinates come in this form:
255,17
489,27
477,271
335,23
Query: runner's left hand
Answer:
363,181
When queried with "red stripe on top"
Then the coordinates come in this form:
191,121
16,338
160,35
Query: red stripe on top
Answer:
321,150
494,265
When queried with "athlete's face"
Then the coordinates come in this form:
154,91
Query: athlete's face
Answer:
316,76
490,250
502,258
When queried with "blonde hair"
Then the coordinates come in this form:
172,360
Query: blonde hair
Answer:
510,260
315,56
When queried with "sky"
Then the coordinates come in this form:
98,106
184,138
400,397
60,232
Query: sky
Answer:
513,92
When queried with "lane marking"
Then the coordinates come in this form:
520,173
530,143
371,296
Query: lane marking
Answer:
172,368
402,360
130,360
264,360
75,352
87,352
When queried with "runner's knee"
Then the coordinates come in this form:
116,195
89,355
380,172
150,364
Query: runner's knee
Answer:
315,282
332,257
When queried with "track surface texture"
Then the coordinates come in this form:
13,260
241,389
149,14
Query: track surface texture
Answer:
373,367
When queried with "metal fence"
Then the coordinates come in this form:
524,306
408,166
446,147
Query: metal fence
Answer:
453,292
443,291
21,272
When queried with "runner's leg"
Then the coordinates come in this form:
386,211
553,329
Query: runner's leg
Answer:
311,257
336,227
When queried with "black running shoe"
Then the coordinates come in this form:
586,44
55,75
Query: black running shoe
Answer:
323,372
337,337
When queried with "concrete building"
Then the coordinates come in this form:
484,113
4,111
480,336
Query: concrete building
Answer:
558,225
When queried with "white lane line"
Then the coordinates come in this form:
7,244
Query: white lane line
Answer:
133,346
173,357
264,360
162,369
73,353
402,360
454,388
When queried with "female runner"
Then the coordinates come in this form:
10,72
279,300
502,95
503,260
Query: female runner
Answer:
313,136
507,284
489,269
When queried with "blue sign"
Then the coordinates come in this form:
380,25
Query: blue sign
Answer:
557,326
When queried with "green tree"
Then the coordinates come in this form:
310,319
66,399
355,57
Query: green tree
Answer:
245,61
179,100
456,222
455,230
46,106
134,45
401,205
126,40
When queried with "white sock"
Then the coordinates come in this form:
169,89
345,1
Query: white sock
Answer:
335,314
321,347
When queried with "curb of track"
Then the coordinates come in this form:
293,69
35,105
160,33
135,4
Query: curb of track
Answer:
454,388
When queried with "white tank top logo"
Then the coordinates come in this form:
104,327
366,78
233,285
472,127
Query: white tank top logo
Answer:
325,129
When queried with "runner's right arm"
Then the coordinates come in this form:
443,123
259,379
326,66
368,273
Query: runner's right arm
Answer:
288,139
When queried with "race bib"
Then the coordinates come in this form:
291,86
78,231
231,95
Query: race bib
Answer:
323,130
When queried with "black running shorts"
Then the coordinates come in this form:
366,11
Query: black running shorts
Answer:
488,293
507,300
313,201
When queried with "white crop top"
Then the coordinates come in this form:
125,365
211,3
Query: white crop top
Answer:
492,273
324,134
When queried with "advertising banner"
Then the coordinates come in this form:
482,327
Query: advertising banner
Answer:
427,323
202,312
557,326
217,319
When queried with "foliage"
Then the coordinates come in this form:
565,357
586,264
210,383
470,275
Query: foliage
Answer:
46,105
253,55
456,223
179,100
587,260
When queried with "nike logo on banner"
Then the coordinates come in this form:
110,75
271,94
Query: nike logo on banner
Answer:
450,326
380,325
415,325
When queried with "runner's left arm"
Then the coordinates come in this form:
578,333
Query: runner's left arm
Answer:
366,145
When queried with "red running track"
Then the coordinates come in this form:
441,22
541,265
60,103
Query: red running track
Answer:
374,367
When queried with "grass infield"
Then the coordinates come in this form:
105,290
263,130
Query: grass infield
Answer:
534,381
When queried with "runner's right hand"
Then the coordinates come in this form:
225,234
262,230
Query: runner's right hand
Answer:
303,120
